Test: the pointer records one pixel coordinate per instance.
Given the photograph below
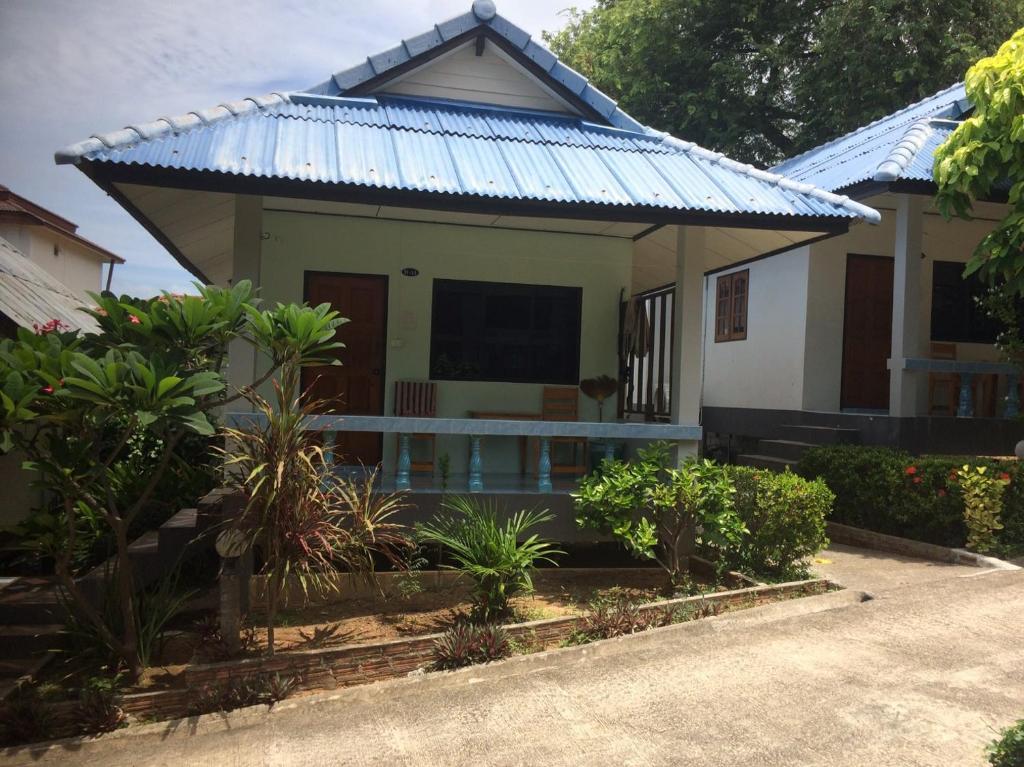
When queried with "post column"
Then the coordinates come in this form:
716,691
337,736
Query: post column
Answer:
906,305
688,332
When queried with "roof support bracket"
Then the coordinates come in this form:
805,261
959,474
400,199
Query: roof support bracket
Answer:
480,42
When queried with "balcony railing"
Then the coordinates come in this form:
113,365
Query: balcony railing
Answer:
966,371
474,429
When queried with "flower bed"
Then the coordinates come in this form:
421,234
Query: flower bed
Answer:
333,667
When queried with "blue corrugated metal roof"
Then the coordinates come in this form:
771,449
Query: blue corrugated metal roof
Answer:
445,147
897,147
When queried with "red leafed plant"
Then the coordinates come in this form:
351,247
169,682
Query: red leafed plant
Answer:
309,522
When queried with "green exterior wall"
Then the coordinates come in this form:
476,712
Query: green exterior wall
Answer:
298,242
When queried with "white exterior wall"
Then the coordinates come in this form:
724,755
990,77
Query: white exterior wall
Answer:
766,369
601,266
74,265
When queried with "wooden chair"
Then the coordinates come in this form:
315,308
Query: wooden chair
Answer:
562,403
943,388
418,399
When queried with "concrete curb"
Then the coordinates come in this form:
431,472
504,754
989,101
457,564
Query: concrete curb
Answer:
869,539
421,682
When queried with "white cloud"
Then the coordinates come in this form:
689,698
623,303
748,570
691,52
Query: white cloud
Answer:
69,69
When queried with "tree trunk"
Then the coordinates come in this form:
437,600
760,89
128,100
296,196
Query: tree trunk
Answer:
129,606
272,583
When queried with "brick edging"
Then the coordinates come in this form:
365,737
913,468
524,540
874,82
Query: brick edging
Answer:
333,667
869,539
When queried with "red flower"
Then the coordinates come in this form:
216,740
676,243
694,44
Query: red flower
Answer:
942,493
50,326
917,480
1004,477
911,470
47,390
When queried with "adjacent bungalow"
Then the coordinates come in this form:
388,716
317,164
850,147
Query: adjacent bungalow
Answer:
873,336
482,214
53,243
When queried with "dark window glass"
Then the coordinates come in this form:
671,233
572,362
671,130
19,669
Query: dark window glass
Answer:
494,331
956,316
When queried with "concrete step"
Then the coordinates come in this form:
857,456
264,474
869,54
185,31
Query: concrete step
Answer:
177,534
21,641
769,462
819,435
145,554
783,448
30,601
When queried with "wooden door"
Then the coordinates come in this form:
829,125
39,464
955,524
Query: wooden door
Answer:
867,332
356,387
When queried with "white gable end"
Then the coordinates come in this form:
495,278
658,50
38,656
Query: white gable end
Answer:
491,78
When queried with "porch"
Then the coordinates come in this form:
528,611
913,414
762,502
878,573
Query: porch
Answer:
482,476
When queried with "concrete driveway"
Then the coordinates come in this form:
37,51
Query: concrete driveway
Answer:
922,676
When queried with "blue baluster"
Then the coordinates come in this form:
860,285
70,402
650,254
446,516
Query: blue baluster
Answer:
609,451
544,467
476,466
329,440
1012,397
402,481
965,407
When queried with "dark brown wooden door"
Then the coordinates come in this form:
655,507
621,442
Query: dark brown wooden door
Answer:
356,387
867,332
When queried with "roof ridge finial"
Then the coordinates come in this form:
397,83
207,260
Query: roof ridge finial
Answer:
484,9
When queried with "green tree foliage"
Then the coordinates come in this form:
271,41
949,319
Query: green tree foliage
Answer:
73,403
762,79
985,153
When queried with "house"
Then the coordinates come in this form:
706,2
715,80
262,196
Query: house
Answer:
478,210
53,243
872,336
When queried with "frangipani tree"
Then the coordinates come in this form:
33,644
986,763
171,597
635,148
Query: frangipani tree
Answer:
72,403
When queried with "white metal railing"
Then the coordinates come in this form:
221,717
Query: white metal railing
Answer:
475,428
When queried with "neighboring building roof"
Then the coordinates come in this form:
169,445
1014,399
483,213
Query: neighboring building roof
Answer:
452,148
17,209
29,295
898,147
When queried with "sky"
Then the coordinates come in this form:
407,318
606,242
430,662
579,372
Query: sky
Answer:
72,68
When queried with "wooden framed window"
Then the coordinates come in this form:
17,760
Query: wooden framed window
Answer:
731,306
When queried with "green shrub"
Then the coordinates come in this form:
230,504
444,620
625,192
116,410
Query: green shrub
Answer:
785,516
489,553
890,491
658,512
1008,750
983,504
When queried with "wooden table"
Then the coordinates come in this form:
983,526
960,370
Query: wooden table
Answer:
494,415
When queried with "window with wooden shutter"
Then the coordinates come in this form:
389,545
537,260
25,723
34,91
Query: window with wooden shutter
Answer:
731,306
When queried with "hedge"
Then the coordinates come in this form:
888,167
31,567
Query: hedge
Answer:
891,491
785,518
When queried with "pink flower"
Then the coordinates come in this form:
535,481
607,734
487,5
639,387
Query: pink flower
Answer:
47,390
942,493
52,326
917,480
133,319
